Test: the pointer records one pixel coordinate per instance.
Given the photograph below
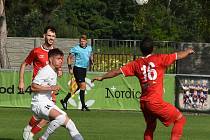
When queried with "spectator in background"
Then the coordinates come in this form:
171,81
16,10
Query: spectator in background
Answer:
81,56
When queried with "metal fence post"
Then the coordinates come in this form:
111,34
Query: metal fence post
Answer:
134,49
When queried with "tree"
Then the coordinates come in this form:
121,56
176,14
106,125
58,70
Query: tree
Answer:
31,16
122,13
176,20
3,36
181,20
205,22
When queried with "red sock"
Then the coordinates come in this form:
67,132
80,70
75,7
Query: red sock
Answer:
36,129
177,129
33,121
148,135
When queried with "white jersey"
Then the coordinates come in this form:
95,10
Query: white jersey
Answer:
41,103
45,77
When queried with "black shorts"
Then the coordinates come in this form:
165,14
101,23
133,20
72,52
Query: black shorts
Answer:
79,74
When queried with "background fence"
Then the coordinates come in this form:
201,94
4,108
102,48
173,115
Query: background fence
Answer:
19,47
111,54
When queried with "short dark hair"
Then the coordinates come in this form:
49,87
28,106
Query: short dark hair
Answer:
51,28
146,46
55,52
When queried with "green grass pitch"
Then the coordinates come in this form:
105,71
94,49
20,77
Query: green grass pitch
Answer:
102,125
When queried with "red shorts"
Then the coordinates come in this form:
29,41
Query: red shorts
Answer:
159,109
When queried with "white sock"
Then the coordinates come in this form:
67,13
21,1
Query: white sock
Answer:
53,126
28,127
50,129
72,128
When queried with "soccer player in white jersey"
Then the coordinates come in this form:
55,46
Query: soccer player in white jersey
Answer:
42,107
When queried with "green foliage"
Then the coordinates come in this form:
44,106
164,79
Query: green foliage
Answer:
181,20
188,19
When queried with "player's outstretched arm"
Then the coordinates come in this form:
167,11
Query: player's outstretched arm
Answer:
185,53
21,77
110,74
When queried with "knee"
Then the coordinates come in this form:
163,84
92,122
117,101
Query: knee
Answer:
82,86
61,119
181,120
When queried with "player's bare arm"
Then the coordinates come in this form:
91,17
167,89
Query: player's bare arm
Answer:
185,53
59,72
21,85
70,60
37,88
110,74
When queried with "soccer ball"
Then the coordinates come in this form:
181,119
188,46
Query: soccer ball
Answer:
141,2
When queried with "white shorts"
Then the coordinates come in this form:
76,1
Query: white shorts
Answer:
41,110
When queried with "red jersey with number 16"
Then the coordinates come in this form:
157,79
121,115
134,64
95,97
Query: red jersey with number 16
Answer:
150,72
39,57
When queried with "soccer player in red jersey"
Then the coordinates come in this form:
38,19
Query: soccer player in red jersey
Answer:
39,57
150,69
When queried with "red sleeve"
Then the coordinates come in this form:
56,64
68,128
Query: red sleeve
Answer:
128,69
30,58
168,59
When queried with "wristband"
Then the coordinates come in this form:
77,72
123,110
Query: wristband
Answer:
69,66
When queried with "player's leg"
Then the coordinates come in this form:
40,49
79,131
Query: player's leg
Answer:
150,129
36,121
27,130
57,120
80,74
60,119
82,86
151,122
35,126
73,131
64,101
39,126
169,114
33,121
35,130
177,129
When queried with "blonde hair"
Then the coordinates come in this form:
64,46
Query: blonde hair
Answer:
84,37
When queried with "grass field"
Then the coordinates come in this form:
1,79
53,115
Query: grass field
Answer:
102,125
